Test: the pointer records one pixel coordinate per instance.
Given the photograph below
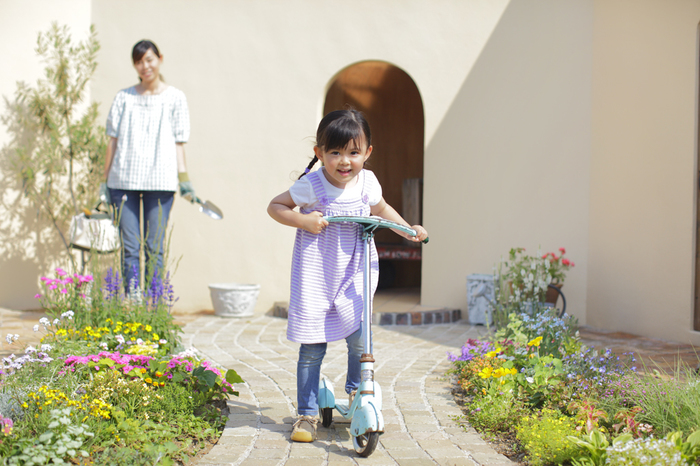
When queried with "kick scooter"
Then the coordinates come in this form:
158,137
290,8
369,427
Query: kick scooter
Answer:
366,409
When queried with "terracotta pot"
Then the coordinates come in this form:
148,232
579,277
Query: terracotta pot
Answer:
553,293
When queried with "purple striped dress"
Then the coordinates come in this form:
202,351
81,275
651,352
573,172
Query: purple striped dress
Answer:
327,269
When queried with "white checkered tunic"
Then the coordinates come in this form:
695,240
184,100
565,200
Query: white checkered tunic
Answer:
147,128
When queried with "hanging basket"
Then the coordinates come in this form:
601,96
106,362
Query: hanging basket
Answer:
234,299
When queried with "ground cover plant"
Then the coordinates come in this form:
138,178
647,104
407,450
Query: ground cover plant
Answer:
532,384
110,382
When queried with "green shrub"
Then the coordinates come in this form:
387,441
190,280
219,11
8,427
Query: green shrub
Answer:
498,413
545,437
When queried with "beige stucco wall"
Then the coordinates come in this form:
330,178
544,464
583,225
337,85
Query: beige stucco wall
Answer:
509,164
643,167
547,124
255,74
28,256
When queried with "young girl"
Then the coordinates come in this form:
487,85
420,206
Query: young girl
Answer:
326,290
148,126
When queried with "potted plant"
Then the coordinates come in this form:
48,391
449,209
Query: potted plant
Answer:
523,280
558,266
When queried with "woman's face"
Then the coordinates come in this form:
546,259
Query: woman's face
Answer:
148,67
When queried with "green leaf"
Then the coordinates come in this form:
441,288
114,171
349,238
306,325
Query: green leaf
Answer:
233,377
205,376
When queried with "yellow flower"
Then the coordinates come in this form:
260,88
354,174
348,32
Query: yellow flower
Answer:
149,380
486,372
535,342
494,353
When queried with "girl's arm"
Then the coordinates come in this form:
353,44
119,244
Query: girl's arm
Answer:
281,208
385,211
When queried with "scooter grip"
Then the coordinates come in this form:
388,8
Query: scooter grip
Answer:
425,241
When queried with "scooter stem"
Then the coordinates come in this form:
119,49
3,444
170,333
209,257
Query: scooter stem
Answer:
367,306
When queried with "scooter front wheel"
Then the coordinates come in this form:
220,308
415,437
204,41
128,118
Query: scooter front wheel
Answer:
326,416
365,443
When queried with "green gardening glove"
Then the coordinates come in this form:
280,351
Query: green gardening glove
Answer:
103,193
186,189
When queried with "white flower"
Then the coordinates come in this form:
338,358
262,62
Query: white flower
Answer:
44,321
120,339
162,341
530,380
139,341
68,314
30,349
36,328
104,345
56,321
8,338
46,347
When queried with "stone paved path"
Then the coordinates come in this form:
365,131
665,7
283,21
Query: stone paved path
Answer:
418,409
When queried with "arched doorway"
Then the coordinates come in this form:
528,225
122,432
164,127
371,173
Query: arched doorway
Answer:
392,104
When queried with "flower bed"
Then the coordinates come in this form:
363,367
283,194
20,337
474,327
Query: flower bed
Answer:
109,383
561,402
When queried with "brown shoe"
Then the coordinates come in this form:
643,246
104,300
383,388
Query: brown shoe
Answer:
304,429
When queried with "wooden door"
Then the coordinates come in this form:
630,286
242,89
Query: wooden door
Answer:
392,104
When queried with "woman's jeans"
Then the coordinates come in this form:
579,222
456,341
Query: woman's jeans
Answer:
309,372
156,210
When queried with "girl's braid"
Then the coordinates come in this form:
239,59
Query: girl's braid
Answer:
309,167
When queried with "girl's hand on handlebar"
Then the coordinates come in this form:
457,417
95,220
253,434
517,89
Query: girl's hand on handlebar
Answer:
421,233
314,222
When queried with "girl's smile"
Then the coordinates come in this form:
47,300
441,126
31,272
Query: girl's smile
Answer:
342,165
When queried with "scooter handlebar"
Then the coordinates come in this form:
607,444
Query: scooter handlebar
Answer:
373,223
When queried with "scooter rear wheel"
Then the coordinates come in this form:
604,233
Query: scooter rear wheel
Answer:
326,416
365,443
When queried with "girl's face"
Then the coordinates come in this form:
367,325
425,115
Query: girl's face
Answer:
148,67
342,165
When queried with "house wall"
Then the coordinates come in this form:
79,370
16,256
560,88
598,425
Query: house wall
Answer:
643,167
255,75
25,255
509,164
547,124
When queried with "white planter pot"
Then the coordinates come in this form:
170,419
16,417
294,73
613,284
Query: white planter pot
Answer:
234,299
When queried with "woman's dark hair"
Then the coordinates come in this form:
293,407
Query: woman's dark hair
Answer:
141,48
338,129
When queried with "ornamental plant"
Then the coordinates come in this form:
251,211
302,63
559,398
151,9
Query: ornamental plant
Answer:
546,437
57,148
522,281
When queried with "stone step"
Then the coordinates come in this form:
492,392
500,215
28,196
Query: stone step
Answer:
415,315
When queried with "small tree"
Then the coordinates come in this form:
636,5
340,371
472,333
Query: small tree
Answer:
57,162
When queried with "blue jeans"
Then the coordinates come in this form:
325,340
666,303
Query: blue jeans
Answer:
309,371
156,210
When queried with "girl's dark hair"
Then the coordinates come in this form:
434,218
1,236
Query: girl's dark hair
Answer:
141,48
338,129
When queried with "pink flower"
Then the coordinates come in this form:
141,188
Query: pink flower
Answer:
566,262
60,272
37,296
64,291
562,250
53,286
545,256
